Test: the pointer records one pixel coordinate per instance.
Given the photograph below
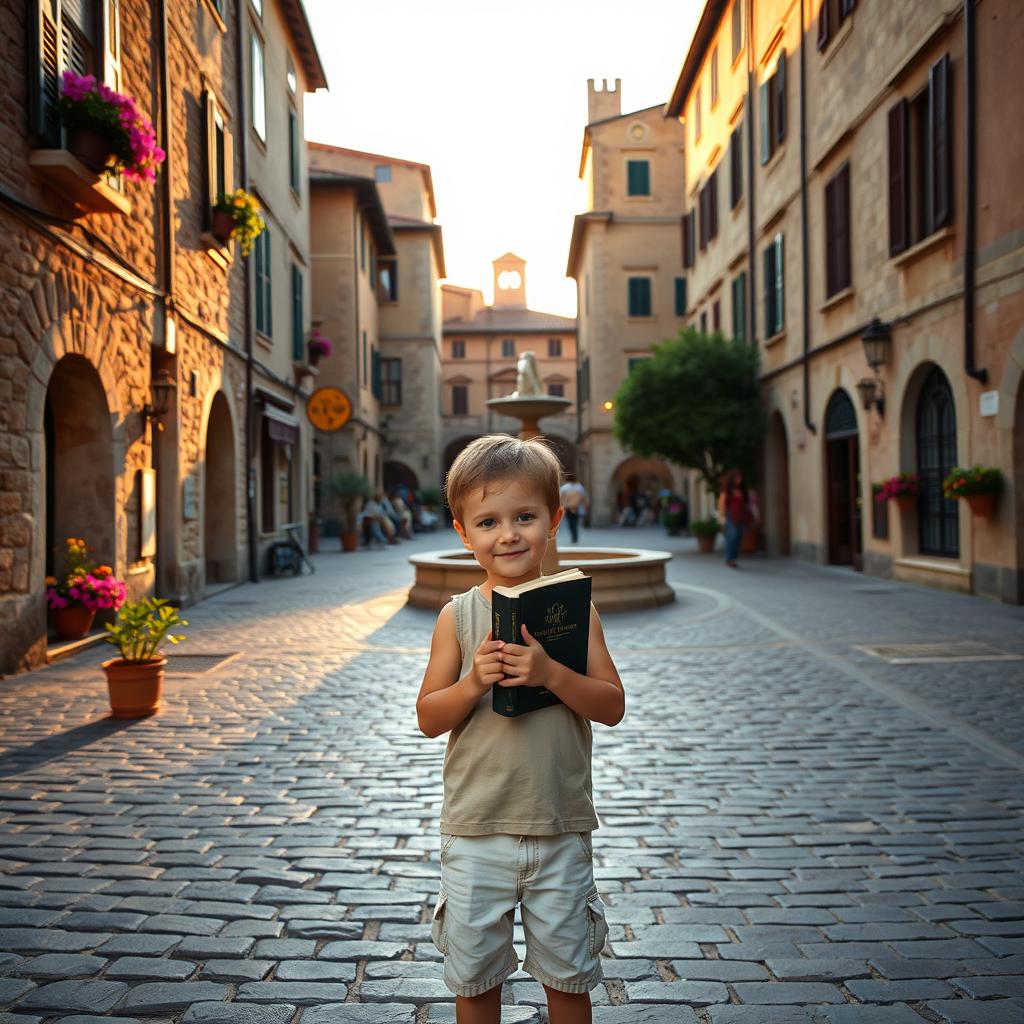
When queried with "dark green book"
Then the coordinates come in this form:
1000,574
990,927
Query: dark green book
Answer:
556,610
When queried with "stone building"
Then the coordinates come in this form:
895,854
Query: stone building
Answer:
870,243
123,347
626,260
399,403
482,345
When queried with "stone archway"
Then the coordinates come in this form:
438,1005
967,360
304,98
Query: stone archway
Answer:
638,478
220,515
842,481
778,538
80,475
398,474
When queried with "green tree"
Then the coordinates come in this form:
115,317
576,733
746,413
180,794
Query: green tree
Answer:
695,402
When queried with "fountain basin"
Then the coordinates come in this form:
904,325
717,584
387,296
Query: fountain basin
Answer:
624,579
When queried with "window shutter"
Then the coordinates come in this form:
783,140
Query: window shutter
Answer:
830,237
713,205
689,239
780,99
842,228
764,115
939,133
739,307
298,349
45,65
293,149
257,273
780,283
898,179
736,167
110,13
823,26
268,289
703,203
210,144
680,296
769,290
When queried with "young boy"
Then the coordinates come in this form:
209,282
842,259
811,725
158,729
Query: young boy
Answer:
518,808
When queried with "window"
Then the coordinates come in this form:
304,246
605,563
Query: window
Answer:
258,99
291,77
633,361
556,390
263,290
736,166
708,204
298,317
704,323
716,316
714,78
938,519
218,152
366,363
638,178
879,517
268,479
680,296
382,174
391,381
639,296
460,400
771,102
375,382
388,275
583,380
696,115
362,243
920,159
458,348
837,231
554,348
689,239
508,348
739,306
737,29
774,287
258,6
294,145
831,16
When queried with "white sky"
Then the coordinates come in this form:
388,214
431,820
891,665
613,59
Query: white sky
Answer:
494,97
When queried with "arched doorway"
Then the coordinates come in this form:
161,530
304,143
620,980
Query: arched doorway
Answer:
79,472
842,482
220,548
639,479
398,474
776,511
938,516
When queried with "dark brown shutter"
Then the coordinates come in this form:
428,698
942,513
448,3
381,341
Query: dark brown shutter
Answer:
939,133
703,205
735,168
899,183
830,237
44,70
779,78
842,225
769,290
713,205
688,253
823,27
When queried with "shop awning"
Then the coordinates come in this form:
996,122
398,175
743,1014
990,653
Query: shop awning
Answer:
281,427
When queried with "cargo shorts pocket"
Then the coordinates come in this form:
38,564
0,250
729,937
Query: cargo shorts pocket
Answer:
597,923
587,842
439,926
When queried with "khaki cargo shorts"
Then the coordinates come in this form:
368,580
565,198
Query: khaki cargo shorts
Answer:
482,880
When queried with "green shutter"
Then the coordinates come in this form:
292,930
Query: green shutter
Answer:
780,284
769,290
764,116
638,178
375,372
268,290
680,296
739,307
639,296
298,348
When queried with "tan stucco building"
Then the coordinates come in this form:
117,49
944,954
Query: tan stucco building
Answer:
374,221
832,194
626,260
482,345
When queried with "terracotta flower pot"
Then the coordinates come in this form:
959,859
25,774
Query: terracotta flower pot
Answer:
91,148
981,504
350,541
750,541
905,501
706,543
73,622
223,226
135,689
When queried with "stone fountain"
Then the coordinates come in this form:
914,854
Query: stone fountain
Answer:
623,578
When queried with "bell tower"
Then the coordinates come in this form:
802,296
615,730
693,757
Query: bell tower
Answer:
604,102
509,281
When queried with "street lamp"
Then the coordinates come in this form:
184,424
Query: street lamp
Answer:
871,394
876,338
162,388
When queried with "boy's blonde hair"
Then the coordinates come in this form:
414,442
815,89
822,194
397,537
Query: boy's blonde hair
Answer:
496,457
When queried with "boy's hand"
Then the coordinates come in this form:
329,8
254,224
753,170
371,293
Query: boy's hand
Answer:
487,666
525,664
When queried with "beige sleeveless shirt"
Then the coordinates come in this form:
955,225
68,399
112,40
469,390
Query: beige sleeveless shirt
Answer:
528,775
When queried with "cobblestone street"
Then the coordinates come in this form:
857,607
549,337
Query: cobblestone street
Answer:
794,830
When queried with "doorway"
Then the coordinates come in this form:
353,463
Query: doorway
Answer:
842,477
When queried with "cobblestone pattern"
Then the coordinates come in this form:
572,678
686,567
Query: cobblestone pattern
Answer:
779,842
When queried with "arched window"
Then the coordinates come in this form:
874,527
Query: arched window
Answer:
939,523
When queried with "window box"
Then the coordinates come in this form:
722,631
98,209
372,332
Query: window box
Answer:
88,190
304,369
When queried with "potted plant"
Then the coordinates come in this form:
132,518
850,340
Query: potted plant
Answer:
106,129
84,588
673,518
317,347
237,215
704,530
351,489
903,488
135,680
979,486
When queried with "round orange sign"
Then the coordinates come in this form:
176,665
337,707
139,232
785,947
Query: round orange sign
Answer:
328,409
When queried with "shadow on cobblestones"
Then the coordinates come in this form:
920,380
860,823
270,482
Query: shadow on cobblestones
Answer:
26,758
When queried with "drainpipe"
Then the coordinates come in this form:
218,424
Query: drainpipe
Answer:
242,136
970,199
805,266
751,145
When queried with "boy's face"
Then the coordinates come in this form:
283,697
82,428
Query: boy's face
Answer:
507,526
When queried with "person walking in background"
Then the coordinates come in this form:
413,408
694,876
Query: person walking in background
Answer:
735,512
573,496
